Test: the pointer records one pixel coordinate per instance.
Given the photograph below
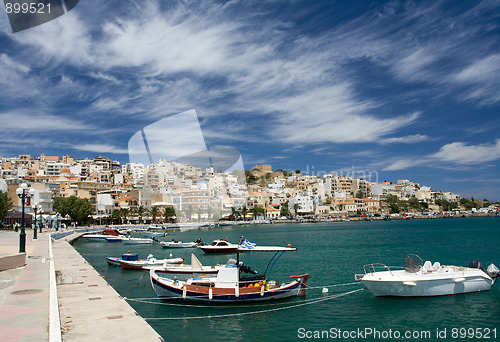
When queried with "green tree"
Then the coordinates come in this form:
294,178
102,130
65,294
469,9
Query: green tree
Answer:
284,209
78,209
414,203
124,212
168,213
154,211
360,194
5,205
140,211
198,211
391,199
295,208
257,210
328,200
244,212
394,208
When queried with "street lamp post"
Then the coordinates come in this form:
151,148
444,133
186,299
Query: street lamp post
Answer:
41,218
36,207
23,193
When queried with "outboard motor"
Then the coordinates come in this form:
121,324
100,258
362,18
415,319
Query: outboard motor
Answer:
493,272
247,269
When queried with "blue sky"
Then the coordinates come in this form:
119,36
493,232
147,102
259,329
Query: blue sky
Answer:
390,89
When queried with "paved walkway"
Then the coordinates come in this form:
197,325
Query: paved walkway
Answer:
90,309
24,291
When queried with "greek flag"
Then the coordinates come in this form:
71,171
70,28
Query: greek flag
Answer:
247,244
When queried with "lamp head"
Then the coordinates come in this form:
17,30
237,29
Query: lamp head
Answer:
32,192
19,192
24,186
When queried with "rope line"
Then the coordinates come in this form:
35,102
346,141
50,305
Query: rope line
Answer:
335,285
255,312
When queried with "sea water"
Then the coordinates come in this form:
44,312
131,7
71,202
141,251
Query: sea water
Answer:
332,253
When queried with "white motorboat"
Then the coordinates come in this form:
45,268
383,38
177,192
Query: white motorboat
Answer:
150,262
419,279
178,244
132,240
219,246
103,235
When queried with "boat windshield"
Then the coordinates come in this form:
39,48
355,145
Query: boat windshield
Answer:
413,263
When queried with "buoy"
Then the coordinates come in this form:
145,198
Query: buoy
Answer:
325,290
289,245
210,294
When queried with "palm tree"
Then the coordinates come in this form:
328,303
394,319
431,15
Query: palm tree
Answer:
255,212
295,208
154,211
123,212
189,212
140,211
244,212
168,212
198,211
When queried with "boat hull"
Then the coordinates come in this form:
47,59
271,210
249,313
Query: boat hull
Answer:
167,289
140,264
428,287
218,249
178,244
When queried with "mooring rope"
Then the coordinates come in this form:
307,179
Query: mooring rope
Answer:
314,301
335,285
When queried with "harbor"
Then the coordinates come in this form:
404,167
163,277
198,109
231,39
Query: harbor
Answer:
332,253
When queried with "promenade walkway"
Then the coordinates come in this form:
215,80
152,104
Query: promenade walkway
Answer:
89,309
24,291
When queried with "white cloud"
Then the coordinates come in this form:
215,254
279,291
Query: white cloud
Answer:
486,69
29,121
460,153
456,153
403,164
100,148
409,139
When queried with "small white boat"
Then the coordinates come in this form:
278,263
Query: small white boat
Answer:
427,279
183,272
132,240
178,244
150,262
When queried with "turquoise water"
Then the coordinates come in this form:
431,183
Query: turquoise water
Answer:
332,253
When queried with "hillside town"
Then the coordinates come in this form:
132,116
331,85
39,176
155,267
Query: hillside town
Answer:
135,192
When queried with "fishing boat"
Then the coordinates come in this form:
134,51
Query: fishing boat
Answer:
420,279
177,244
150,261
183,271
229,284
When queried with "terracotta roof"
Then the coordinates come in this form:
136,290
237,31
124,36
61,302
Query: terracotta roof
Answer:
52,158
